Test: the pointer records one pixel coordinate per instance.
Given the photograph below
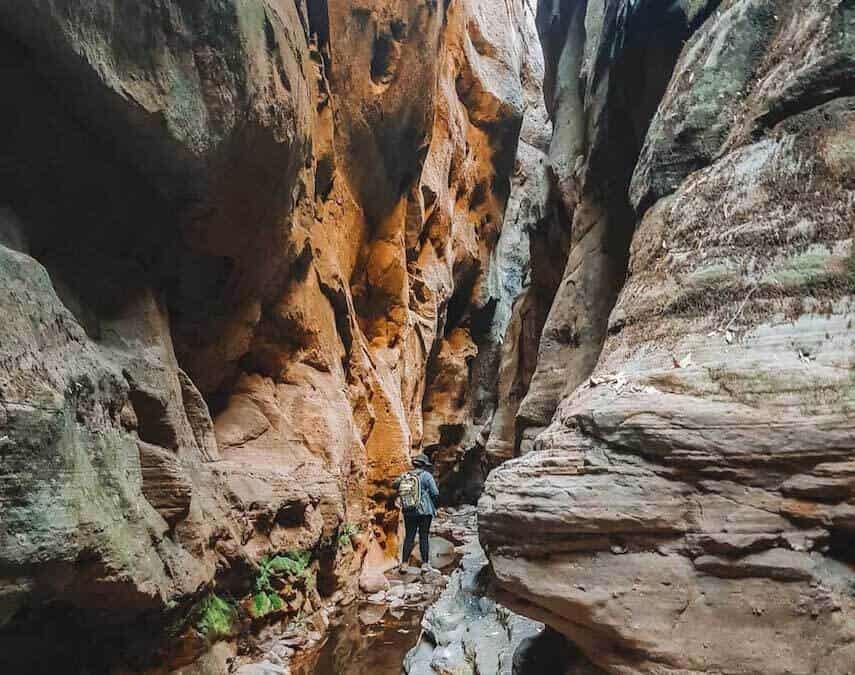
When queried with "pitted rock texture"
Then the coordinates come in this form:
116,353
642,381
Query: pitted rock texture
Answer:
684,503
237,242
491,270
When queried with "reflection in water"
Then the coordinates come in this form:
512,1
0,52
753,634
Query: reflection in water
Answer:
356,649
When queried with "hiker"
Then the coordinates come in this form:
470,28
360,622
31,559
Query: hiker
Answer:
418,494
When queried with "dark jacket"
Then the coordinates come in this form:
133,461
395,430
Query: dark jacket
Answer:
429,493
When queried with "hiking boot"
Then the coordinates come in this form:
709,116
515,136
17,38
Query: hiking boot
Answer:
427,569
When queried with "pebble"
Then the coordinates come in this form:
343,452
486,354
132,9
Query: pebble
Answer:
283,651
379,596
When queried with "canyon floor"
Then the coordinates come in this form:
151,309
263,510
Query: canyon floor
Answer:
422,623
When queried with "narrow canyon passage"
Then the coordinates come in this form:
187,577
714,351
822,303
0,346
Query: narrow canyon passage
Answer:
594,258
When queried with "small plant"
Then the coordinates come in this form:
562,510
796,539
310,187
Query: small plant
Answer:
346,534
297,623
294,564
215,617
264,602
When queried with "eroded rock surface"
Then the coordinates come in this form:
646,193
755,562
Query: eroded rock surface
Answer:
683,506
465,631
241,243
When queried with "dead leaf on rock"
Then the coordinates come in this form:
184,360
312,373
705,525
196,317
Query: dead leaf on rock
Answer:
684,362
619,384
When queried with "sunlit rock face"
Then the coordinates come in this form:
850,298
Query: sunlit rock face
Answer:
683,502
242,245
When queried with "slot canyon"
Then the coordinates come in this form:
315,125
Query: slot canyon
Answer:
594,258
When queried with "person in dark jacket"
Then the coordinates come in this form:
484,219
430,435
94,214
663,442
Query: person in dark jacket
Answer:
418,520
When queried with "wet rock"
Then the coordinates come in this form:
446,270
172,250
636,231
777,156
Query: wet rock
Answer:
262,668
372,614
397,591
463,631
372,581
379,597
441,552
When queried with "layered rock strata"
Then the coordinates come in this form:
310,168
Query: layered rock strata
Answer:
684,505
235,238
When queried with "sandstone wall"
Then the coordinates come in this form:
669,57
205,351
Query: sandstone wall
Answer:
683,501
242,244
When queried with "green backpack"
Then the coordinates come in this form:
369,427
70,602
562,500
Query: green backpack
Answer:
410,491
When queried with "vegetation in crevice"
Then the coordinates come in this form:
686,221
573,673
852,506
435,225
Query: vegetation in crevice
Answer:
293,565
214,617
346,534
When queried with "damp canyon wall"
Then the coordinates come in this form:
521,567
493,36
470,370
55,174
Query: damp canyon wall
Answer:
253,256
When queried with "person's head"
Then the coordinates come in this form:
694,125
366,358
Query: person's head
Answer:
421,461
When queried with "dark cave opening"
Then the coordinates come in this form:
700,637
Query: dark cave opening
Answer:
841,546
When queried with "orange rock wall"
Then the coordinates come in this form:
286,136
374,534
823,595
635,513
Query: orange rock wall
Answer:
241,245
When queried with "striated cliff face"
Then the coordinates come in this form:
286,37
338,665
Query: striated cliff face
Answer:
253,254
684,498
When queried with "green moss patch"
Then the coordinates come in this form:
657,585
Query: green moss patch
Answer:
215,617
264,603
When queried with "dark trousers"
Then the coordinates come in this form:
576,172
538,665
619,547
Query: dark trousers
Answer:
416,523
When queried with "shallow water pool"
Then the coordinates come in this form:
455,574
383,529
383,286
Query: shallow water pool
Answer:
353,648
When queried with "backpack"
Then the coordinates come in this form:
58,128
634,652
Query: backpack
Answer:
410,491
